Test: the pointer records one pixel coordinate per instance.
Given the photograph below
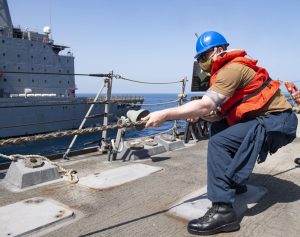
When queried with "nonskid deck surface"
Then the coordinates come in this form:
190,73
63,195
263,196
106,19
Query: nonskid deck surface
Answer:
142,207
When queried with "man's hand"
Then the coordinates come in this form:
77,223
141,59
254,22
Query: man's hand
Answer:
155,119
192,120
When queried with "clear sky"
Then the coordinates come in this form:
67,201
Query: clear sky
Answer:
154,40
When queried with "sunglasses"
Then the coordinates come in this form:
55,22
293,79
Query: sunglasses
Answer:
205,56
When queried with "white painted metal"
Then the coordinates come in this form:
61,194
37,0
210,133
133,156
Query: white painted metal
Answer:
197,204
29,215
118,176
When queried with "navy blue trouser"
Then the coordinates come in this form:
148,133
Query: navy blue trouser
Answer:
224,155
233,151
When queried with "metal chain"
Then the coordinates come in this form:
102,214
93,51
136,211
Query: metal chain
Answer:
48,136
70,174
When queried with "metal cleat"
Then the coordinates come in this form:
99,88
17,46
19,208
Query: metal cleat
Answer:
33,162
149,141
135,144
167,137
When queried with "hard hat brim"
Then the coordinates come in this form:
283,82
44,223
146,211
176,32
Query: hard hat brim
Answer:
208,48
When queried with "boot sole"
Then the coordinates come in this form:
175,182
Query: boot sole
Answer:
235,226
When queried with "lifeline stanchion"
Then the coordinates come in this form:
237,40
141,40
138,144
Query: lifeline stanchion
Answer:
181,98
108,82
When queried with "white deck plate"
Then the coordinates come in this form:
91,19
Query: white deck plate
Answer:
196,204
117,176
30,215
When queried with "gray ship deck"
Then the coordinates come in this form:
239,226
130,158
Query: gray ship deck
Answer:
139,208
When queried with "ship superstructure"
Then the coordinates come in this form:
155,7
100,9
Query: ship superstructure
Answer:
37,84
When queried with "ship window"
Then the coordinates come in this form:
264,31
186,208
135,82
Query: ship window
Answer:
4,79
68,71
3,54
44,46
32,69
19,80
31,45
32,81
18,55
68,82
44,58
19,68
4,66
45,70
3,41
59,82
45,81
31,57
59,70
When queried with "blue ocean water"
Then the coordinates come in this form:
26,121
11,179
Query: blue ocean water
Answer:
60,145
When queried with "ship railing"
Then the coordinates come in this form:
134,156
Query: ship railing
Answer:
109,99
30,34
107,82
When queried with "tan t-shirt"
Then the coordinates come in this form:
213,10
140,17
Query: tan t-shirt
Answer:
235,76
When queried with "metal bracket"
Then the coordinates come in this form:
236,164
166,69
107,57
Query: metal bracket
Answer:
116,145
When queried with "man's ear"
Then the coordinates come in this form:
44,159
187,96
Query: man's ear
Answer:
220,50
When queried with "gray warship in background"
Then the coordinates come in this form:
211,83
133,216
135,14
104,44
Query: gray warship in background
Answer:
37,85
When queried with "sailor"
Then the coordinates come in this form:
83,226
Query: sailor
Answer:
250,118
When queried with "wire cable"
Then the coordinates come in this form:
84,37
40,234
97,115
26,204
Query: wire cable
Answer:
145,82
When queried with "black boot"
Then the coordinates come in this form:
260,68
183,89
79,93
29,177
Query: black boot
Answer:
219,218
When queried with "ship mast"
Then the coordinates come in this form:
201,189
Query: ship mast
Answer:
6,27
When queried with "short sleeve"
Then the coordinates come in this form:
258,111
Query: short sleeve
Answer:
227,81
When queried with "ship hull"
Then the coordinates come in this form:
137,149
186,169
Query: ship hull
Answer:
21,117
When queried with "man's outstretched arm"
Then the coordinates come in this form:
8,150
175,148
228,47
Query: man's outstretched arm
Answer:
193,109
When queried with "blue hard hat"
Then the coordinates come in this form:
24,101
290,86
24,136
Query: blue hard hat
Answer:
208,40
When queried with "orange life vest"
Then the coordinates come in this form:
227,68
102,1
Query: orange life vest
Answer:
294,92
232,109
